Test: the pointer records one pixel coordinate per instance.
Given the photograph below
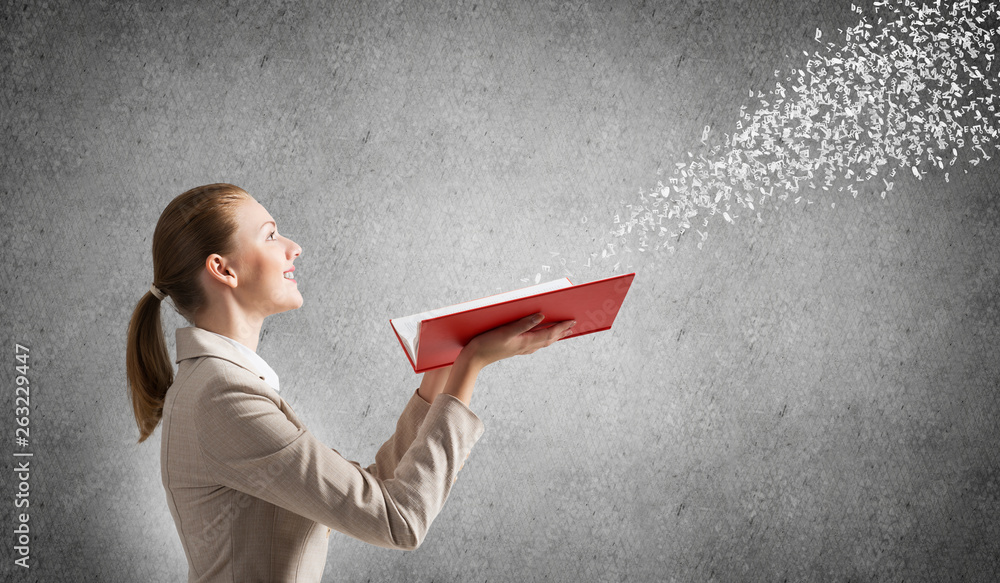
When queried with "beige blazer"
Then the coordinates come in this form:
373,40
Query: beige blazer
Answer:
254,494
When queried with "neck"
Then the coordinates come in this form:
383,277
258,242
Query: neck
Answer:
224,315
244,333
228,320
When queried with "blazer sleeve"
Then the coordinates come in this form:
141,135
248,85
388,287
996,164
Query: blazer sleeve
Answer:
388,456
250,445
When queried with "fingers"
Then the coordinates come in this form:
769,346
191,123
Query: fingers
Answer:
553,332
557,331
563,329
527,323
516,338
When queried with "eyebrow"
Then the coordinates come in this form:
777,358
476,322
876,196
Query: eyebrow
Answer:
267,223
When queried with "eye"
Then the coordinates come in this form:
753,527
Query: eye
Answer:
272,234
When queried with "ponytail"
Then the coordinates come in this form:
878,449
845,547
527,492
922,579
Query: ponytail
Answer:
148,366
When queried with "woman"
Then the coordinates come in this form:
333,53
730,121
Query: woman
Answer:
254,495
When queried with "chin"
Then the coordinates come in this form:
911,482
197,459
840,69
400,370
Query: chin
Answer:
293,305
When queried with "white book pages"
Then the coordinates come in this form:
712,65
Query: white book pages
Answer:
408,327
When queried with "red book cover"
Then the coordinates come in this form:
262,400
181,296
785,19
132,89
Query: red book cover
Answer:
594,305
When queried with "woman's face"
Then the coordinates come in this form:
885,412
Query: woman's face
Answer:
261,261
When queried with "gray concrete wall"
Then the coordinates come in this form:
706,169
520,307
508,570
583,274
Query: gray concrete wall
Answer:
808,397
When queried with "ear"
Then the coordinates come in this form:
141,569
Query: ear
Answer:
220,269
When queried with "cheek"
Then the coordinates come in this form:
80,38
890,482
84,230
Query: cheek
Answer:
257,268
276,264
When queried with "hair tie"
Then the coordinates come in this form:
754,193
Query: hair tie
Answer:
156,292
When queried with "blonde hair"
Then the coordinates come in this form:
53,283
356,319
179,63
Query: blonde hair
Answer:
196,224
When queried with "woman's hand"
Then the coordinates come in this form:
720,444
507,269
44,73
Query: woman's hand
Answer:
513,339
496,344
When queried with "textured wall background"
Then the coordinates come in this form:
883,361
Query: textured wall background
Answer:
811,397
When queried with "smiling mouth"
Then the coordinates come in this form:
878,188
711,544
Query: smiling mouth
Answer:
288,276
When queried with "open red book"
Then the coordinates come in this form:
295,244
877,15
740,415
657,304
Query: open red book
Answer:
434,338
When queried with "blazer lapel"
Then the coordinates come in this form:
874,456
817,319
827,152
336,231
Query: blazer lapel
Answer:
194,342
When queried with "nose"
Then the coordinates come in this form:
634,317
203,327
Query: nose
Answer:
296,249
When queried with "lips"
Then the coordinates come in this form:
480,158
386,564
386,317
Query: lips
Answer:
288,275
